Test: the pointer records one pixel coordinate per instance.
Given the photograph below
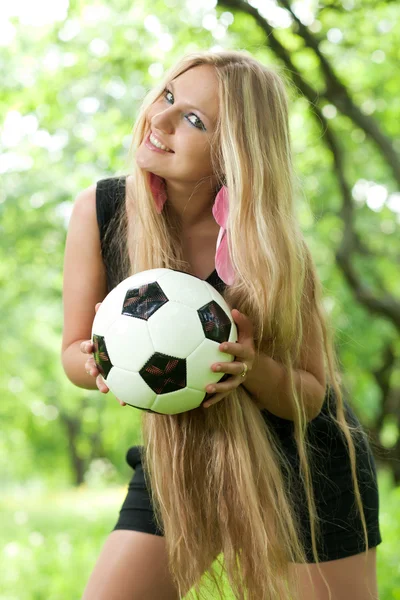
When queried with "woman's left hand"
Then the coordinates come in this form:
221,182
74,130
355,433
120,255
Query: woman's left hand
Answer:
243,351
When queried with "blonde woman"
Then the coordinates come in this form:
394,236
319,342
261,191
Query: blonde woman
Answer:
273,473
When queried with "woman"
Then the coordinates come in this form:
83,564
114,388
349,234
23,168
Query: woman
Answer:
277,476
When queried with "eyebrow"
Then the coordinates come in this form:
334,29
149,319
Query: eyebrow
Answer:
170,84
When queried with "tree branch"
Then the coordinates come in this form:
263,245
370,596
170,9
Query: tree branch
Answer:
335,92
385,305
338,94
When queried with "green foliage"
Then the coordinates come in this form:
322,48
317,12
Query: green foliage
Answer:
71,88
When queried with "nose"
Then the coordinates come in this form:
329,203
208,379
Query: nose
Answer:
162,121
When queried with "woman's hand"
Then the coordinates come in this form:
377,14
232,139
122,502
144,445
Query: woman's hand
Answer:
87,347
243,350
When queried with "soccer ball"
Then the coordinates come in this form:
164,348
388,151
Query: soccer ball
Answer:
155,337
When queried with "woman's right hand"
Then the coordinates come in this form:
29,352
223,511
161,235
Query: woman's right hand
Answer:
87,347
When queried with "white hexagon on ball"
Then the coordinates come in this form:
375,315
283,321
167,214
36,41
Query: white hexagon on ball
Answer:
200,360
122,382
175,286
178,402
129,343
176,341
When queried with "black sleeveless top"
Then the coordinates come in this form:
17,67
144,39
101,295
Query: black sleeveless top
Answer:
110,194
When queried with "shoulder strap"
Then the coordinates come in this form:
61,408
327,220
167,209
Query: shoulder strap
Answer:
110,193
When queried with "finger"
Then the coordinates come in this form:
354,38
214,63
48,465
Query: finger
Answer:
213,400
226,386
101,385
90,362
233,368
96,308
91,368
87,347
237,349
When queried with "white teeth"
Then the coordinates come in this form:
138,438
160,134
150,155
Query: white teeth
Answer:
158,144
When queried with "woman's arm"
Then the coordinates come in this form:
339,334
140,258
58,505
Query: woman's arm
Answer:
268,380
84,284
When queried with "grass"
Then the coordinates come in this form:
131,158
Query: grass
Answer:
50,540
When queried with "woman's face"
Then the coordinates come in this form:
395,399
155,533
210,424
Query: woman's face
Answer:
183,119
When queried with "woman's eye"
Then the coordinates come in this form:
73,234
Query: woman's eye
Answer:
166,92
197,123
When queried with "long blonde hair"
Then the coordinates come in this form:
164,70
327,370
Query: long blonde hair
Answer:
217,476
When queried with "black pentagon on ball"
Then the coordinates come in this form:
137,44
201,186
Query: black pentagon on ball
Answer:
143,301
164,373
100,355
215,322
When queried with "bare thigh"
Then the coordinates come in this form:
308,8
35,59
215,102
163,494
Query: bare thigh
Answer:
131,566
348,578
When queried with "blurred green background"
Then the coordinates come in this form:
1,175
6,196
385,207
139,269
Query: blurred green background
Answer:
74,74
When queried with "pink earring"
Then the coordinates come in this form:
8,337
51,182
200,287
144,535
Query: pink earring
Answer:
158,188
220,212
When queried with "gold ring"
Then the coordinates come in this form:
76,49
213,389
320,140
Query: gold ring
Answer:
245,368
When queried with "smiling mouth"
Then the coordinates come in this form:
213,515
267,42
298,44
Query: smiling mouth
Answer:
155,142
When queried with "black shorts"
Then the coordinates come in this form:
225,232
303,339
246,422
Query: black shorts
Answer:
341,527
